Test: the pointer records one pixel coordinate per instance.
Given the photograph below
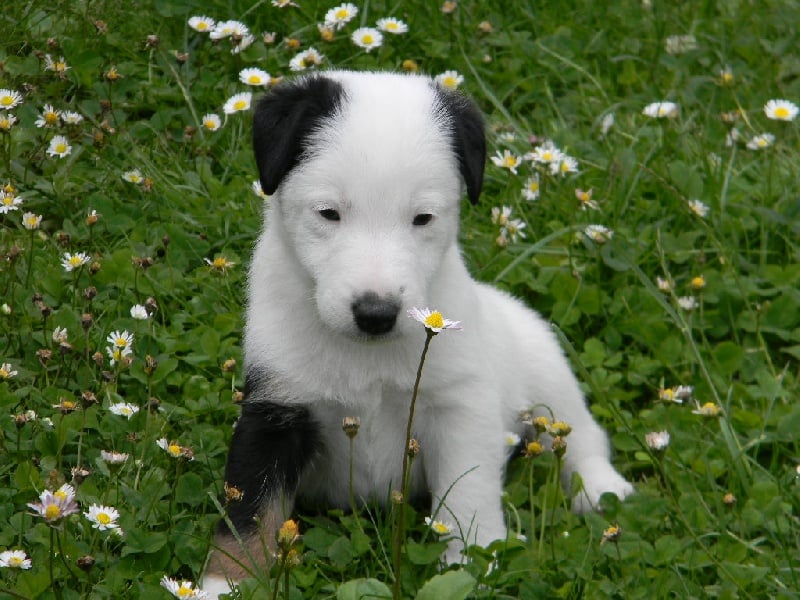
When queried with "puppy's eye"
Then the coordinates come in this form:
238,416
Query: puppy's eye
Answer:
422,219
329,214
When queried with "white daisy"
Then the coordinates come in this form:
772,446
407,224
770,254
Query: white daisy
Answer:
9,202
212,122
225,29
70,117
202,24
134,176
507,160
113,458
781,110
59,146
500,216
9,99
49,117
341,15
698,208
184,590
7,121
71,261
759,142
120,339
254,76
598,233
531,190
60,335
392,25
139,312
432,319
237,103
511,439
7,371
258,190
124,409
367,38
660,110
438,527
306,60
103,518
688,303
513,229
57,66
449,79
657,440
31,221
545,154
565,164
15,559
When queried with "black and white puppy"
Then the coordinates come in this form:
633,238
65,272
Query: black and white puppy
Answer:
366,172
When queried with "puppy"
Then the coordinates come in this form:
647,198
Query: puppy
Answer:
366,173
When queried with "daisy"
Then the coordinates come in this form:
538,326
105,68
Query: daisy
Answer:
174,449
680,44
433,319
241,44
657,440
49,117
120,339
565,164
138,311
326,32
31,221
392,25
606,124
513,229
124,409
585,198
507,160
438,527
780,110
611,534
113,458
545,154
103,518
53,506
220,264
500,215
759,142
202,24
183,589
306,60
224,29
511,439
663,285
726,76
449,79
660,110
341,15
253,76
531,190
70,117
117,354
134,176
7,121
9,202
57,66
59,146
15,559
9,99
598,233
367,38
212,122
698,283
709,409
60,335
683,392
687,302
258,190
70,261
698,208
7,371
237,103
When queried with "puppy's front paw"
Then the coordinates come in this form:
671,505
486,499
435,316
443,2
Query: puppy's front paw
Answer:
599,477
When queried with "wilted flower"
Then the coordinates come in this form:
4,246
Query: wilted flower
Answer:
350,426
533,449
611,534
56,66
433,320
113,458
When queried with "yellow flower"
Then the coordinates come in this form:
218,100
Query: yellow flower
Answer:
698,283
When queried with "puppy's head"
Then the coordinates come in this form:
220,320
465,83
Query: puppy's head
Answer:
367,171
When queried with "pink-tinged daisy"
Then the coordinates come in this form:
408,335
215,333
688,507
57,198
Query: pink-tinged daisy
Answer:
53,506
438,527
392,25
341,15
9,99
307,59
661,110
113,458
367,38
9,202
432,319
780,110
59,146
657,440
73,261
212,122
598,233
254,76
184,590
102,518
531,189
124,409
15,559
449,79
507,160
49,117
202,24
237,103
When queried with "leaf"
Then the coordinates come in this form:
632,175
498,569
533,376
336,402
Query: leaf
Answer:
453,585
363,589
424,554
146,542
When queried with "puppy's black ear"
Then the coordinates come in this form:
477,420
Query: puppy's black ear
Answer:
283,121
469,140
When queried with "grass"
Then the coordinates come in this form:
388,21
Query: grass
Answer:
715,513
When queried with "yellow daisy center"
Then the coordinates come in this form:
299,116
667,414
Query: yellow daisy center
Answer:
440,528
52,512
8,200
121,342
6,100
782,112
584,197
449,82
762,142
435,320
342,13
547,155
391,26
75,261
509,161
367,39
50,118
202,26
533,186
174,449
60,148
15,561
240,105
254,79
4,374
220,262
103,518
185,592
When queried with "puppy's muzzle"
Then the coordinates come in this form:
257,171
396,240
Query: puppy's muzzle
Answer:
375,315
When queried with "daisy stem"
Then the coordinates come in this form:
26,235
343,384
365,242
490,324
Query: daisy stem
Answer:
401,506
30,262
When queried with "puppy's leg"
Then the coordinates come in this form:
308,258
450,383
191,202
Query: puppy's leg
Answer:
272,444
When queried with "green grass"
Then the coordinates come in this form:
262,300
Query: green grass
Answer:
547,69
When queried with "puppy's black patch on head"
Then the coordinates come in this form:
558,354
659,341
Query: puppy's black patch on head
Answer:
469,140
283,120
272,445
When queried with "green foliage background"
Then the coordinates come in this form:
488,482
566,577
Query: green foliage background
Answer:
541,70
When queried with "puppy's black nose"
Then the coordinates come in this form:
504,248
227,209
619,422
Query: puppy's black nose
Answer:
375,315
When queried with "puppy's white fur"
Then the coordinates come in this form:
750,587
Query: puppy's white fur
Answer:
382,159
